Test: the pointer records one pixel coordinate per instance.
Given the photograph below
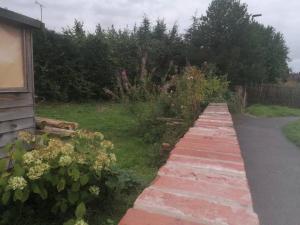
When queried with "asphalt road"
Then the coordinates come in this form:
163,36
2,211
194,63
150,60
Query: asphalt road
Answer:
272,167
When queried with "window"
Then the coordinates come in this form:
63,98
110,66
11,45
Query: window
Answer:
12,73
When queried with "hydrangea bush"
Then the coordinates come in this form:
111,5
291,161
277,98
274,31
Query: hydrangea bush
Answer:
65,173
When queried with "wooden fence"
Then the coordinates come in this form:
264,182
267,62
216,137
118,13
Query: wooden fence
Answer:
274,94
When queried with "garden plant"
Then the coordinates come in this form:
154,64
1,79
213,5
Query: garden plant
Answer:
61,176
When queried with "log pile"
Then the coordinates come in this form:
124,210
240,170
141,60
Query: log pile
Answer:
171,121
55,127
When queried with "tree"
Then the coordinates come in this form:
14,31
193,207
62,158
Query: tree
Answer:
70,65
77,65
238,47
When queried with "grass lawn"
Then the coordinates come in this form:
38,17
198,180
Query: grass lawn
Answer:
272,111
291,130
118,124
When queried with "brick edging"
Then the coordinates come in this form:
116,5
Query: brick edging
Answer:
203,182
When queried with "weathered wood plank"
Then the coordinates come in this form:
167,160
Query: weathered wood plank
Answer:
2,154
16,125
62,124
6,138
57,131
29,61
9,137
11,100
17,108
16,113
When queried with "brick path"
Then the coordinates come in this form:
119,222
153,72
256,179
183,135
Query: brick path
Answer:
203,181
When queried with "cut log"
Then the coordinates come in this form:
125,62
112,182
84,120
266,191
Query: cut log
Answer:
168,119
57,131
41,123
166,146
175,123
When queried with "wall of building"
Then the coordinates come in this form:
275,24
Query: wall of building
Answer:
17,103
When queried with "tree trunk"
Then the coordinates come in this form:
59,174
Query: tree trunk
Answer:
143,66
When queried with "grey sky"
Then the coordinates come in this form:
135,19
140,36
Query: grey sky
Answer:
282,14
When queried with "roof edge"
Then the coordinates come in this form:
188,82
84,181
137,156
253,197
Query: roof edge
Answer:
19,18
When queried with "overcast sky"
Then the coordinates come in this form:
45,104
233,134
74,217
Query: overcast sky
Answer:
284,15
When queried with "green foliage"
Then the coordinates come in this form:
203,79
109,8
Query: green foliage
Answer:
119,123
234,102
80,211
58,175
248,52
76,65
176,107
71,65
123,181
272,110
292,132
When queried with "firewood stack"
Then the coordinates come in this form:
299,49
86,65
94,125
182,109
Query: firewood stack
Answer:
55,127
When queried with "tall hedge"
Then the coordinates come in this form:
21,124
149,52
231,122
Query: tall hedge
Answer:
76,65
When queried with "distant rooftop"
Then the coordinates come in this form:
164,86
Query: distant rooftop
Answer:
10,16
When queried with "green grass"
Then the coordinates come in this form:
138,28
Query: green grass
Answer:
118,124
272,111
292,132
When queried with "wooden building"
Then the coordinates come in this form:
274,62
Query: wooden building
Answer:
16,74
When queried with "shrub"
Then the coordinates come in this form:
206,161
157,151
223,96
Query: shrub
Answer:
175,108
57,175
193,90
234,102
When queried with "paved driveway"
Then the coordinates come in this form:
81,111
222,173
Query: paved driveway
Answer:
273,169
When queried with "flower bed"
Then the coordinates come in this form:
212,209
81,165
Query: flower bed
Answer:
64,174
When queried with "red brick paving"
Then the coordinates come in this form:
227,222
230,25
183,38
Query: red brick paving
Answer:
203,181
210,176
141,217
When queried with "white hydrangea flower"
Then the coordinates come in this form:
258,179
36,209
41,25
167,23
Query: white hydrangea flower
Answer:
101,161
28,158
107,145
113,158
98,166
37,171
94,190
67,149
81,159
81,222
38,162
26,136
65,160
17,183
99,135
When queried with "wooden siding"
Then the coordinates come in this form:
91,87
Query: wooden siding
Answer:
8,100
8,137
17,108
15,113
16,125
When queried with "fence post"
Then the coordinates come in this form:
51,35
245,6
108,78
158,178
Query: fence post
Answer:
241,93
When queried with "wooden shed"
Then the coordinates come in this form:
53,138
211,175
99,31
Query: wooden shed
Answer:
16,74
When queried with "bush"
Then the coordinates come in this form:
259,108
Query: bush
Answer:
192,91
175,108
59,176
234,102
